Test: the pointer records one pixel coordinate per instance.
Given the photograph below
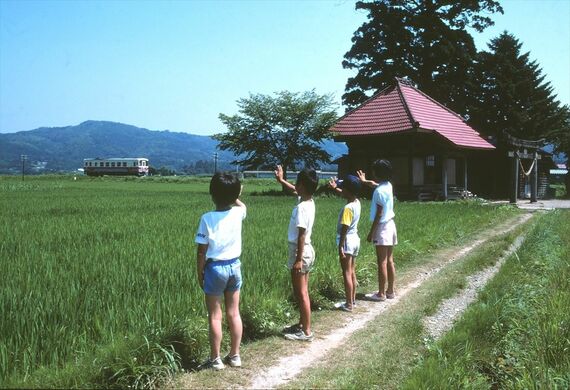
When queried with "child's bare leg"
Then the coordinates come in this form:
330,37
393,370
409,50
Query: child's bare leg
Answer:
354,283
391,270
382,259
347,274
234,320
301,289
214,305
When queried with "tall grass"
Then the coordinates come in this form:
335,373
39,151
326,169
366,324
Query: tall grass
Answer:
518,334
91,265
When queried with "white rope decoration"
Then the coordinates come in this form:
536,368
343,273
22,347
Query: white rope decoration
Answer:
526,173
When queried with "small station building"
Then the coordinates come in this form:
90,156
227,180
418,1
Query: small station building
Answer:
435,153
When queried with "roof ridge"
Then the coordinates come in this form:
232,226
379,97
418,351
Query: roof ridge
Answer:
399,81
438,103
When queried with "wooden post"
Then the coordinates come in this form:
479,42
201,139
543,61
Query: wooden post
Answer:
514,178
534,180
465,173
411,167
444,176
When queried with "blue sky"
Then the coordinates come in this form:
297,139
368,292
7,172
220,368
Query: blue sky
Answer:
177,64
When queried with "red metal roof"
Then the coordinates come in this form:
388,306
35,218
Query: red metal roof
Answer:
403,107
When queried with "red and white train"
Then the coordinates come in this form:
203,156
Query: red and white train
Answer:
116,166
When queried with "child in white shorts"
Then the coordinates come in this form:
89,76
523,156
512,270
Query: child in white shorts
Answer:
347,239
383,233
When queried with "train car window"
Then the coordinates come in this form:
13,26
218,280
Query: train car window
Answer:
124,164
106,164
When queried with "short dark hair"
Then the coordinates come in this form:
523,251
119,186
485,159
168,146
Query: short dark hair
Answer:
224,188
308,178
382,170
352,184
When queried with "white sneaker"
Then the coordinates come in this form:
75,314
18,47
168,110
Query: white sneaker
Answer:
375,297
299,336
233,361
215,364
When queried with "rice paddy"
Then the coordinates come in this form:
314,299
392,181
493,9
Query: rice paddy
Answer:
89,263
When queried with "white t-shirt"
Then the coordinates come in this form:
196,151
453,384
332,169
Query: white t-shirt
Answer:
303,216
384,197
349,216
221,230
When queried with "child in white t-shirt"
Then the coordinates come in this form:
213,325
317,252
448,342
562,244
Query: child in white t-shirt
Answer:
347,238
301,252
383,233
219,268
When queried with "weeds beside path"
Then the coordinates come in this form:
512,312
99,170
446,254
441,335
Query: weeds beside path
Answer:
275,362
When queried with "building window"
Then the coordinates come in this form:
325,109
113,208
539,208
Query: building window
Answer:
106,164
430,161
124,164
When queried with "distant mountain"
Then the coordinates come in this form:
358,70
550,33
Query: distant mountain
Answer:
55,149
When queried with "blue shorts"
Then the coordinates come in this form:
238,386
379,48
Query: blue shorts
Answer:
221,276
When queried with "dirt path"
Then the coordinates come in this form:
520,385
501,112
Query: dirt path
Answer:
290,366
283,370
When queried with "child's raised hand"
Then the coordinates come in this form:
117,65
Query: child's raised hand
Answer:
361,175
332,182
279,173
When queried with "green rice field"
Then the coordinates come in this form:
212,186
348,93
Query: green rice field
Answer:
98,274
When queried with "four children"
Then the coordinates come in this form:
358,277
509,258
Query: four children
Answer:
219,248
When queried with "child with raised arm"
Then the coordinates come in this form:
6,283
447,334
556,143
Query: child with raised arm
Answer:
347,239
383,232
218,266
301,252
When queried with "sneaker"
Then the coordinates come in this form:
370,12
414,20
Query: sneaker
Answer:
375,297
390,295
292,329
344,307
299,336
233,361
215,364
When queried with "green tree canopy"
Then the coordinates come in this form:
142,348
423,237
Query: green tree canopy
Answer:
425,40
284,129
514,96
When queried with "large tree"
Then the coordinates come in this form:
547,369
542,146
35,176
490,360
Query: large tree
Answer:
425,40
513,94
284,129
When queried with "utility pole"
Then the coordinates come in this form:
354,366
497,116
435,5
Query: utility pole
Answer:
215,162
23,158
